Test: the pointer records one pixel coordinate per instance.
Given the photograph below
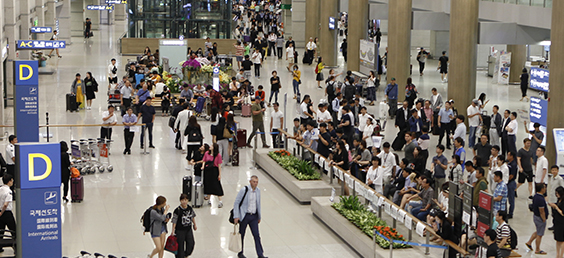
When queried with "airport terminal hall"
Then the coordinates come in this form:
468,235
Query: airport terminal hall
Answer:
281,128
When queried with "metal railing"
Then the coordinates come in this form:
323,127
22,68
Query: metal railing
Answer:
539,3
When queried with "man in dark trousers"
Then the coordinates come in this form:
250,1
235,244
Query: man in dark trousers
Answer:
6,198
182,105
504,123
247,212
402,116
147,116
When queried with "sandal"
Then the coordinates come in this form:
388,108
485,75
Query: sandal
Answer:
541,252
529,246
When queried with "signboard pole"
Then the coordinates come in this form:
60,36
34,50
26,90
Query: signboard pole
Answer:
26,114
38,194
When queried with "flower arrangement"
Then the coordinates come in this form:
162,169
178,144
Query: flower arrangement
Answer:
351,208
300,169
191,65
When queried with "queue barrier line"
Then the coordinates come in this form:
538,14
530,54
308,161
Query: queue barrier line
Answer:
414,219
410,243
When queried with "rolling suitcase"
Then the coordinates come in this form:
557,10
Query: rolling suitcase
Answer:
77,189
197,194
246,110
187,186
71,103
200,105
241,138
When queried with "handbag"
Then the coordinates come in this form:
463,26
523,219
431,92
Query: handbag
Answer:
172,244
231,219
235,244
227,133
171,122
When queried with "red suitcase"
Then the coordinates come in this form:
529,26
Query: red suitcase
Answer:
77,189
246,110
241,138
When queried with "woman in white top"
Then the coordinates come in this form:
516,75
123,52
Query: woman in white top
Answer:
374,175
367,133
371,85
290,53
244,97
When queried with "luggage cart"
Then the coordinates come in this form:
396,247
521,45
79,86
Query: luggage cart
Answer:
114,99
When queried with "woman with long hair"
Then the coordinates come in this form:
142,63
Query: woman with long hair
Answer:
232,125
296,80
159,218
419,162
319,71
558,221
410,93
91,88
65,169
341,156
524,77
456,170
195,137
197,160
222,136
483,101
215,115
375,175
371,86
212,174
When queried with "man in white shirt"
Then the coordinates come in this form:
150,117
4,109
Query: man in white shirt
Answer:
11,155
6,198
436,100
109,118
541,169
362,117
276,122
311,135
112,73
388,160
511,129
502,166
474,118
311,47
55,36
257,61
493,167
323,116
460,130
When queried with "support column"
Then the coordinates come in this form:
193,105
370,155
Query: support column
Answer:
298,22
51,14
463,48
556,94
399,40
439,43
358,26
2,81
77,18
40,12
65,22
25,25
328,38
120,13
518,59
312,19
12,35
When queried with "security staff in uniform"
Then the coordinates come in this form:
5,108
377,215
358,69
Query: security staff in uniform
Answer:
6,215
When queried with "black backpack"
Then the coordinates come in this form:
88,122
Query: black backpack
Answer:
513,239
350,90
146,220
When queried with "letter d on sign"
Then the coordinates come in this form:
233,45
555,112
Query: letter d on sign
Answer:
29,69
31,161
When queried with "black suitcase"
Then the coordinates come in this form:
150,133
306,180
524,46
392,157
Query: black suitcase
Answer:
399,141
71,103
436,129
187,186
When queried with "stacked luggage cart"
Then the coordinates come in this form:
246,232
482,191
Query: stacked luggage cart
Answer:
91,155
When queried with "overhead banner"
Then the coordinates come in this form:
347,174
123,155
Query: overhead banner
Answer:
100,7
40,44
41,29
38,195
538,110
26,111
504,65
539,79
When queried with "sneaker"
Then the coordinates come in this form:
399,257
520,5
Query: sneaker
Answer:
265,146
151,146
531,197
220,204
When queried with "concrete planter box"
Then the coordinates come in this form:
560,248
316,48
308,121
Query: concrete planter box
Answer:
303,191
353,236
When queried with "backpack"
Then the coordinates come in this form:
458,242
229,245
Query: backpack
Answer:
74,172
350,90
513,239
146,220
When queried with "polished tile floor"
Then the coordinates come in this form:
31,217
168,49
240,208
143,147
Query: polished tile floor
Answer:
108,220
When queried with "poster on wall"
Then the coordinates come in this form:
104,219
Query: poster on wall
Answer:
504,65
368,54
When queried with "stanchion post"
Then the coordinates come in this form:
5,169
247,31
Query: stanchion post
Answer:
343,185
394,223
143,128
427,242
285,139
47,123
374,243
409,235
253,162
331,175
392,246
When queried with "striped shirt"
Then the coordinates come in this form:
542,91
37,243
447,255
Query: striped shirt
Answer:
503,231
240,50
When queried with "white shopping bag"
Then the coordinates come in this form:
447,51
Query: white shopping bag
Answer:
235,244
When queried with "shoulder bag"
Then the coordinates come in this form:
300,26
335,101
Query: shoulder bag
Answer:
231,219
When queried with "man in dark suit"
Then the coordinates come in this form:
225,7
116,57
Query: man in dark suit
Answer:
402,115
504,142
420,111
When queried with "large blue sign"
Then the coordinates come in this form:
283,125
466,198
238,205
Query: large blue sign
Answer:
100,7
40,165
27,100
537,111
40,44
41,29
39,195
539,79
331,23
